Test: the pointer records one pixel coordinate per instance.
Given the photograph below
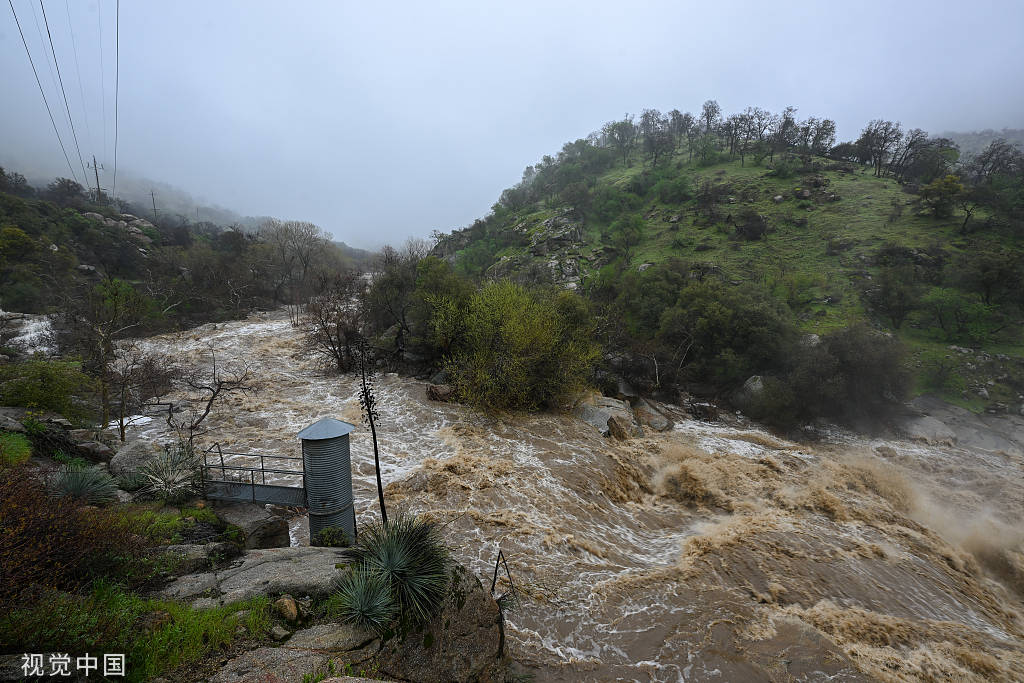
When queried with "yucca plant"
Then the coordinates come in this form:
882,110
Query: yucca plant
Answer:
362,598
173,475
411,558
87,484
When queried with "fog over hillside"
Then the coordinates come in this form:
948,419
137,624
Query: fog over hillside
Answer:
379,124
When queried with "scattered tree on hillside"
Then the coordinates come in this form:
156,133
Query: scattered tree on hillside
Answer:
622,135
941,194
65,192
879,139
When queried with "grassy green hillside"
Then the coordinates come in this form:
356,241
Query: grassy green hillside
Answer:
815,234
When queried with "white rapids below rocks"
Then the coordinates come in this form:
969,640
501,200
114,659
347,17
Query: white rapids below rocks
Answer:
711,552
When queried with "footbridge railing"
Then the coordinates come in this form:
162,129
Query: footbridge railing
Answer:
242,477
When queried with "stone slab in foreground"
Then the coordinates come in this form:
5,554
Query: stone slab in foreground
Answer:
299,571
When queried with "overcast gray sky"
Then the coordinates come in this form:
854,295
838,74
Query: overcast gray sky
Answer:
383,120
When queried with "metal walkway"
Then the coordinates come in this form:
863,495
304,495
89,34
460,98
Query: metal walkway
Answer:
248,483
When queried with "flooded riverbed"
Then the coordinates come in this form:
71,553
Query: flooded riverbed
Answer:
709,552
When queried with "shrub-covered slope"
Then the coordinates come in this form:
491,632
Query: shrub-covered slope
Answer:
930,252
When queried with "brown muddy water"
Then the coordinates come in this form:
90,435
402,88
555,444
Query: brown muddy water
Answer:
710,552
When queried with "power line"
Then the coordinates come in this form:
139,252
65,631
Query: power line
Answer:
78,72
103,74
39,83
117,86
67,107
42,43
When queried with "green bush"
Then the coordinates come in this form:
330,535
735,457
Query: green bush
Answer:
674,190
609,202
132,480
71,461
54,542
42,384
109,619
14,448
411,560
331,537
520,349
852,375
785,168
86,484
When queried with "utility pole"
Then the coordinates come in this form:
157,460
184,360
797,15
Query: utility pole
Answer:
153,197
96,172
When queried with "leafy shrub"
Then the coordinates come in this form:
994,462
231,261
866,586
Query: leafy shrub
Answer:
42,384
940,374
610,201
108,619
410,558
675,190
331,537
14,448
71,461
785,168
961,316
86,484
851,375
363,598
521,349
51,542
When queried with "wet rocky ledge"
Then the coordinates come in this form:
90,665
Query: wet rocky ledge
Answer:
464,642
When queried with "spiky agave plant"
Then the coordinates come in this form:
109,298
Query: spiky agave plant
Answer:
362,598
172,475
87,484
411,558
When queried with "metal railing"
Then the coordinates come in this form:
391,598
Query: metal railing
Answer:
239,483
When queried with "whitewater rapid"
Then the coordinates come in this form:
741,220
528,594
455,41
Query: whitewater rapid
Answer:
710,552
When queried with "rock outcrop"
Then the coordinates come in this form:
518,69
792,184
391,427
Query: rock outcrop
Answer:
299,571
596,410
262,529
132,456
272,665
197,557
440,392
465,642
648,415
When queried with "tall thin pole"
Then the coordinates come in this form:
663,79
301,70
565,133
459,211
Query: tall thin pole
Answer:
96,172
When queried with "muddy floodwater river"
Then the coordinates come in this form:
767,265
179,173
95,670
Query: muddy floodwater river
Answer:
712,551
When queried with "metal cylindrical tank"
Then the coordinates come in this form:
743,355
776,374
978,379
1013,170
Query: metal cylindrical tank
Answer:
327,469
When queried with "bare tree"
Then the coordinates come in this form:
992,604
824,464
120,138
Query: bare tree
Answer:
295,245
138,378
334,321
206,387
